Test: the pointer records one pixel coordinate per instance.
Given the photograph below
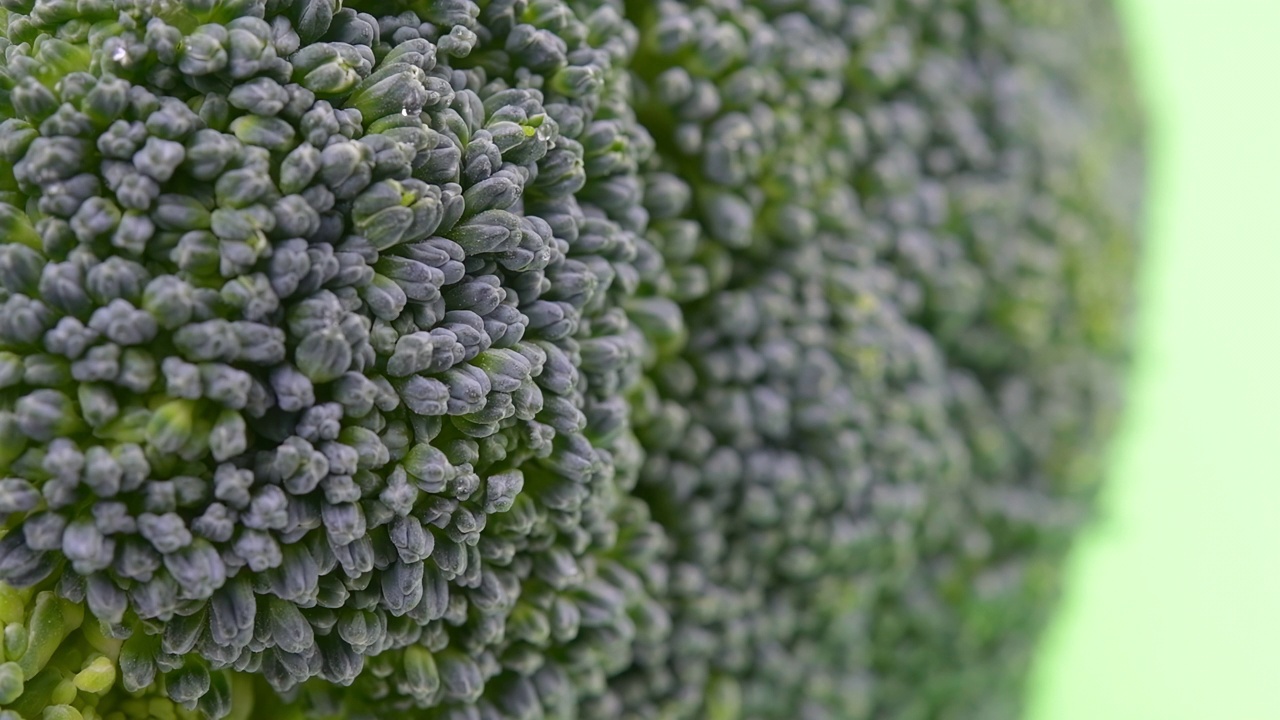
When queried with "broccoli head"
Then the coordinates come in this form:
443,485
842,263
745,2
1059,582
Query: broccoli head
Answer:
551,359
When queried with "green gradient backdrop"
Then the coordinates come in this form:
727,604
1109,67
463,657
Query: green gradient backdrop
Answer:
1172,610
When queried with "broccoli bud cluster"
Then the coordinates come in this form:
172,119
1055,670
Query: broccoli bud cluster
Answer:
905,286
525,359
314,344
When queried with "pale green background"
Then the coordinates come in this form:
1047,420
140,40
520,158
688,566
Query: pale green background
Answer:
1172,609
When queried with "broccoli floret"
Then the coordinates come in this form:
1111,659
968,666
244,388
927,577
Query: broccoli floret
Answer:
549,358
889,227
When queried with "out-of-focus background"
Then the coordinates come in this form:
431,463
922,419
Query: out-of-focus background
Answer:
1172,610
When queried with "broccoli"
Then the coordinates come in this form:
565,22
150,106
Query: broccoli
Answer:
525,359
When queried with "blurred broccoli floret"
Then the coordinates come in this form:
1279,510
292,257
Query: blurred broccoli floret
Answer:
524,359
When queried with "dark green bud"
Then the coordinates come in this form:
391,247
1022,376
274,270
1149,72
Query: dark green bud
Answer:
272,133
260,96
329,69
181,213
324,355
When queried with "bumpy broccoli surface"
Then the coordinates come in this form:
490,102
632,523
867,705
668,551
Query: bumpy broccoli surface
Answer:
524,359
